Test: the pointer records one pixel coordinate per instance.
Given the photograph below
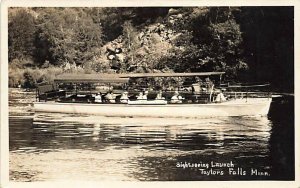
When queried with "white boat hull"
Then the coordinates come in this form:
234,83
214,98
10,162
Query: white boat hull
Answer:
239,107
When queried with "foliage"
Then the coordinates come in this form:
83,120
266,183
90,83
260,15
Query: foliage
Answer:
30,77
110,19
219,38
69,35
21,35
248,43
98,65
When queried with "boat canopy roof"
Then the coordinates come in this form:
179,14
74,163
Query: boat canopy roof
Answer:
90,78
146,75
122,78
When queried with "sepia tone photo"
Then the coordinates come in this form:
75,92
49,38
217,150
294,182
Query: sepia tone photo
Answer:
201,93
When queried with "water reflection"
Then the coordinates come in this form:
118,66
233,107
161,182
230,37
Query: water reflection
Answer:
208,133
144,149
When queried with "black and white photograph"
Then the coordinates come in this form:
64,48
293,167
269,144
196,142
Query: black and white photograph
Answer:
151,93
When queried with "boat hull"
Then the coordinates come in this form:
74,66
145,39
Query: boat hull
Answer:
241,107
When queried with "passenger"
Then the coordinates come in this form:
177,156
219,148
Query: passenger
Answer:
196,88
220,97
140,96
180,98
159,96
145,96
209,84
176,98
124,97
110,97
98,98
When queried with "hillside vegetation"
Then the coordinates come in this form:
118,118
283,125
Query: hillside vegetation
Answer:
248,43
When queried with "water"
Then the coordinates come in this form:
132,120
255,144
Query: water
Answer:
46,147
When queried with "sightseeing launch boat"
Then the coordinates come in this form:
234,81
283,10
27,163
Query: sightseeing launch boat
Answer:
151,95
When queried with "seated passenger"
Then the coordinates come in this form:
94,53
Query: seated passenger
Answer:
140,96
159,96
176,98
196,88
220,97
209,84
98,98
203,89
145,96
110,97
124,97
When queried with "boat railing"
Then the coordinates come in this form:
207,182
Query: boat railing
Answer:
240,95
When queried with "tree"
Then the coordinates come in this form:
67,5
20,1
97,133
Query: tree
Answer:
131,42
69,35
21,35
111,20
218,37
183,56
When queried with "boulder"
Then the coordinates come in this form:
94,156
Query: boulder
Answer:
118,50
120,57
179,16
111,57
172,11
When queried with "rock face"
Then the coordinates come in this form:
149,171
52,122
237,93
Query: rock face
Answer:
147,38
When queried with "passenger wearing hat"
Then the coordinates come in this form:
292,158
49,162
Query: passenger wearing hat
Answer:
159,96
110,97
220,97
140,96
176,98
145,96
124,97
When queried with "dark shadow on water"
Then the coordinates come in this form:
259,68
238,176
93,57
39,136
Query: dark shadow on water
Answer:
282,141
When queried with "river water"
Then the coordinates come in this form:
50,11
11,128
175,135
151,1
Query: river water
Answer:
56,146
